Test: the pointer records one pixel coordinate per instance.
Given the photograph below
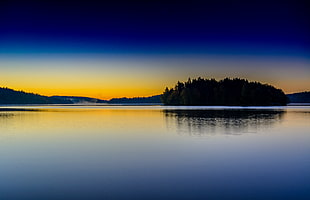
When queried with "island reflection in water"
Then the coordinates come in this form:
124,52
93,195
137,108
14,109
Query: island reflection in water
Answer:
148,152
225,121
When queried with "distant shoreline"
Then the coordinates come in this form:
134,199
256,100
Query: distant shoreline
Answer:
10,97
298,104
145,104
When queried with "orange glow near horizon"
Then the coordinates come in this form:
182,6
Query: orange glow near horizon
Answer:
117,91
107,78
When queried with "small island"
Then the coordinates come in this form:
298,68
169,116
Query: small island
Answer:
226,92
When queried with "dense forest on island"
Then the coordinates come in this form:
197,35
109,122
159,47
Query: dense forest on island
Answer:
228,92
9,96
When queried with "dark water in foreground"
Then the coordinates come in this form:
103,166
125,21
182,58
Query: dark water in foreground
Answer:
154,153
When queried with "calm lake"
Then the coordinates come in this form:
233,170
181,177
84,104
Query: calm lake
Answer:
154,152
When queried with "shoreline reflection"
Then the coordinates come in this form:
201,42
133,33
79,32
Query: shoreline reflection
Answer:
230,122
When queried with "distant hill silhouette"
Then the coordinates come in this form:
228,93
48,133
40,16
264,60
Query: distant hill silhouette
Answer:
300,97
9,96
123,100
228,92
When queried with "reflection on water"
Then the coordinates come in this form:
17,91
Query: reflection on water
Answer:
5,115
226,121
137,153
3,110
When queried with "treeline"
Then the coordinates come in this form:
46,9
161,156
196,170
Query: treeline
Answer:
152,100
9,96
228,92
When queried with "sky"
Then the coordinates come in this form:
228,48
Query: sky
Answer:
137,48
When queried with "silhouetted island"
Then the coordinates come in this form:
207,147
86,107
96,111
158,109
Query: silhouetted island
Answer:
226,92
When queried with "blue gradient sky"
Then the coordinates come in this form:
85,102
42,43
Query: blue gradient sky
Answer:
136,49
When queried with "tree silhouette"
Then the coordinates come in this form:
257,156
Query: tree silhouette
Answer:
230,92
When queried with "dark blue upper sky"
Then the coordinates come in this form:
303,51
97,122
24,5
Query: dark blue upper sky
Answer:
137,48
250,27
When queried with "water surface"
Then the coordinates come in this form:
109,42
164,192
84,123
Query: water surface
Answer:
154,152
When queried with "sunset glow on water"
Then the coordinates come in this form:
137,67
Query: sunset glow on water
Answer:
153,152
